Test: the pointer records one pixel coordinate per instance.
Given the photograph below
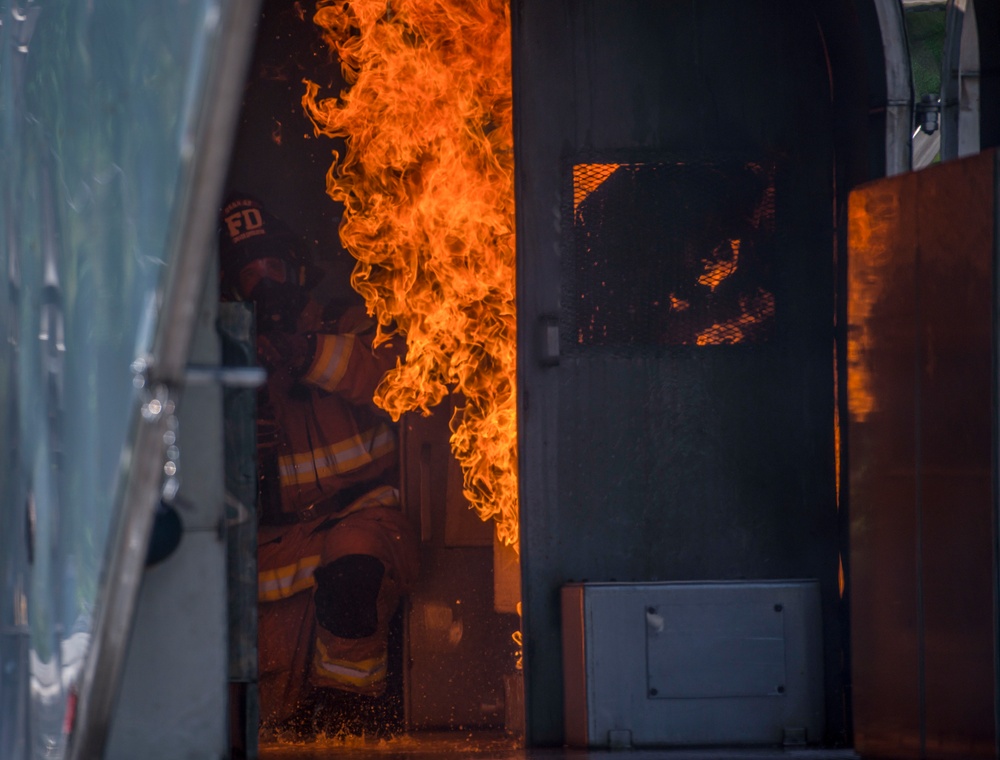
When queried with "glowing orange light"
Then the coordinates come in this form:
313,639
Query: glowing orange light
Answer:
427,188
719,268
587,178
871,223
754,311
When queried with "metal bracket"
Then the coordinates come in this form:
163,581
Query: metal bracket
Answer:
548,340
929,114
228,377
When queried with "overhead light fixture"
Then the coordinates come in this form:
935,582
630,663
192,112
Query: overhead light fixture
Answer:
929,113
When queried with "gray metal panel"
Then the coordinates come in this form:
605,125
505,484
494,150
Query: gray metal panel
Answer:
748,699
701,648
172,701
173,694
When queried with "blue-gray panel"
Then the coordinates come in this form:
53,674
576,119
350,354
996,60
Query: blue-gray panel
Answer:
704,649
694,663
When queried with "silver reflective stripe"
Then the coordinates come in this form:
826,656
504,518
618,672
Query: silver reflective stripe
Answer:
355,673
344,456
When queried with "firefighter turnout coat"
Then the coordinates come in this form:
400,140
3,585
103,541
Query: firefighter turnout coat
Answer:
333,452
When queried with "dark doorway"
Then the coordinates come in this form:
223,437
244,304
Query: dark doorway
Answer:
452,651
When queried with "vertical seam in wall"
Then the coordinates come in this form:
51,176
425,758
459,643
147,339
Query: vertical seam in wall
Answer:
995,393
918,494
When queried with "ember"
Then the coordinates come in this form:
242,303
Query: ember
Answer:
427,189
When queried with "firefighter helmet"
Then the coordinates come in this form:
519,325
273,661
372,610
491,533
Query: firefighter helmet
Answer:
254,244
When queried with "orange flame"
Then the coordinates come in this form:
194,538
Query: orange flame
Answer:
427,189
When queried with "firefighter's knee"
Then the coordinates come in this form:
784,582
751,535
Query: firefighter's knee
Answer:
346,595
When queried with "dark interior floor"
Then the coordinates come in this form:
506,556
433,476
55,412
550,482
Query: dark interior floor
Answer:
424,746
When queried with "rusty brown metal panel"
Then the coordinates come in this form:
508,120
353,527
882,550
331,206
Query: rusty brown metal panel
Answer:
882,345
955,293
921,374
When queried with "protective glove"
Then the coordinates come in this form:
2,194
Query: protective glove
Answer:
288,352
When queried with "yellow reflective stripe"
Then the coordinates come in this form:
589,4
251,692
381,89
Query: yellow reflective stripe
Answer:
287,580
337,458
383,496
330,365
359,674
342,450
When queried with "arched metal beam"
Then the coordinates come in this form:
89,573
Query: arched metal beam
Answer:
898,87
960,103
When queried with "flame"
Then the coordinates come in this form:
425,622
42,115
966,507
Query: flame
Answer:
427,188
841,580
518,638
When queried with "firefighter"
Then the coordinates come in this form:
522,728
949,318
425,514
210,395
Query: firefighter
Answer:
335,553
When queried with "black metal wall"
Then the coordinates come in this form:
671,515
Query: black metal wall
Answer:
644,454
988,23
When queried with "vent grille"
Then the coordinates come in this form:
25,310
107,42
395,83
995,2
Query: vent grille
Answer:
670,254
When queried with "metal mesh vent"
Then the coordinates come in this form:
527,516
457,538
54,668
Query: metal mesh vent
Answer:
670,254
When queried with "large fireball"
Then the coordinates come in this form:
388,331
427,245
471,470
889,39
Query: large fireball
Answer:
427,189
